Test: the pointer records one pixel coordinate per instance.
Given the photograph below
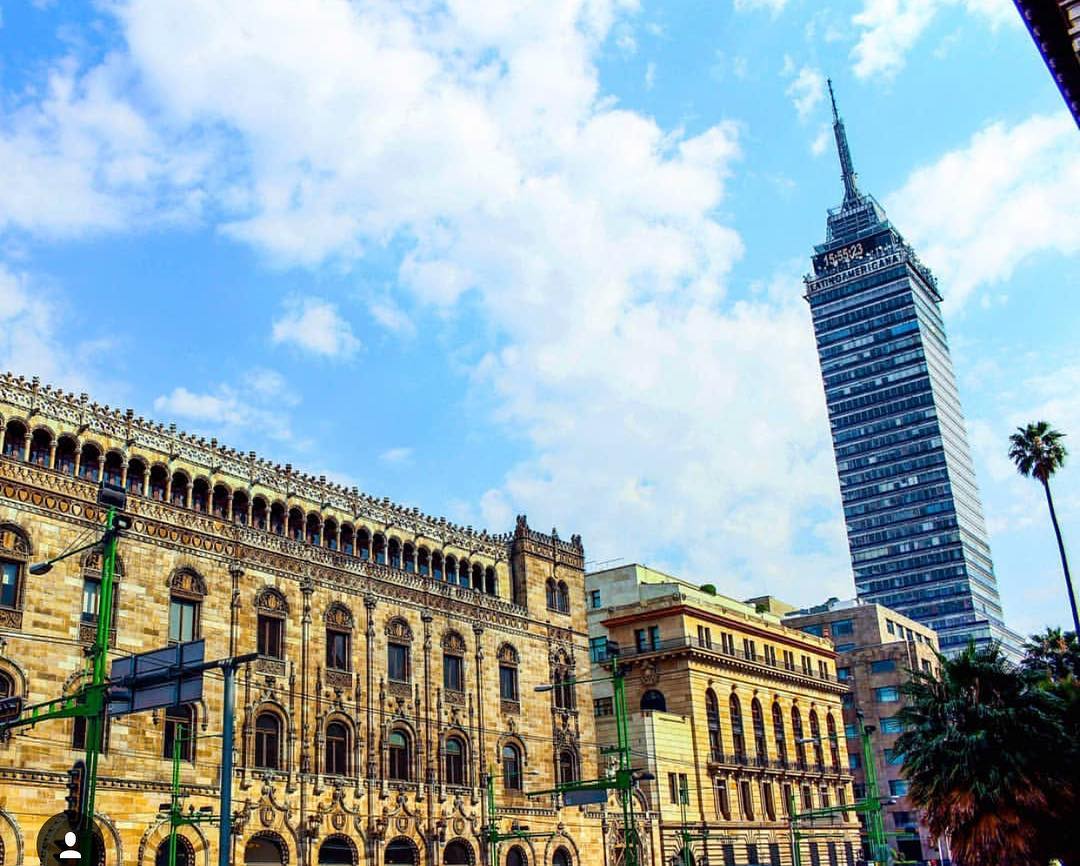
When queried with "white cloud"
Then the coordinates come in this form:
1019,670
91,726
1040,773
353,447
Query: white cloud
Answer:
392,317
821,141
806,91
979,210
315,326
397,456
888,29
650,76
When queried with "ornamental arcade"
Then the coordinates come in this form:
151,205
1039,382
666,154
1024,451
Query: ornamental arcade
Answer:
399,653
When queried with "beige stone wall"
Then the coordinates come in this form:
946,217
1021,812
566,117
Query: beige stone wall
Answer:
227,568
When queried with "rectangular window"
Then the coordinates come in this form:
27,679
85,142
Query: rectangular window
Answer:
508,685
91,598
807,798
774,854
833,859
749,649
882,666
851,731
887,694
453,672
893,757
854,761
927,668
815,857
823,669
806,669
891,725
843,674
770,655
816,630
898,787
271,632
751,853
727,643
397,662
847,699
684,790
597,649
901,819
729,854
603,707
845,647
654,637
594,598
183,616
704,636
890,626
673,787
9,583
337,650
640,638
843,628
789,660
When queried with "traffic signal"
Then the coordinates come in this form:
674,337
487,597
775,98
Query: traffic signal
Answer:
76,788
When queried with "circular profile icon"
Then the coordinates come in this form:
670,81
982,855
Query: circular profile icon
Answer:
62,842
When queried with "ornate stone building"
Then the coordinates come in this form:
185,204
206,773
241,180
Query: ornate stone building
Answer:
732,706
399,653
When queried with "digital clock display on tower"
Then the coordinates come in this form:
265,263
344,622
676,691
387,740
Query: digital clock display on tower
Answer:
849,254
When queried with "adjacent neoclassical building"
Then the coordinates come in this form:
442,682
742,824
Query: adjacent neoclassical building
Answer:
400,653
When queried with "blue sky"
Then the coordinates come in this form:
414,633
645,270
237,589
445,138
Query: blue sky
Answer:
542,257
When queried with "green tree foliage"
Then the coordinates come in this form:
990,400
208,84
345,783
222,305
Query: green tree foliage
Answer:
990,753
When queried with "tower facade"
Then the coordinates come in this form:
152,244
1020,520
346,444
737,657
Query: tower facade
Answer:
914,521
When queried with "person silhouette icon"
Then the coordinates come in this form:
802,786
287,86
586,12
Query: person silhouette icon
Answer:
72,854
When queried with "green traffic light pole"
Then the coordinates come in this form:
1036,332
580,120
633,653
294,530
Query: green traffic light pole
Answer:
494,837
177,818
685,834
90,701
625,775
870,805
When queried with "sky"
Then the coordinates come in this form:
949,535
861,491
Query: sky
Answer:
542,257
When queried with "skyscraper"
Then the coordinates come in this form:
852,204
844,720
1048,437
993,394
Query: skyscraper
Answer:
914,522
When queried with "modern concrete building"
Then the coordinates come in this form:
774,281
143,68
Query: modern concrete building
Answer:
730,703
1055,27
876,651
399,654
914,521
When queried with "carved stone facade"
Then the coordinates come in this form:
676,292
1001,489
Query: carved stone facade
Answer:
366,731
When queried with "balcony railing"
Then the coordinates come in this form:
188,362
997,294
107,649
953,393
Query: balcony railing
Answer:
691,642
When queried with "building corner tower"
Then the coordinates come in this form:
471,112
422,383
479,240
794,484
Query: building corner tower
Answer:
914,521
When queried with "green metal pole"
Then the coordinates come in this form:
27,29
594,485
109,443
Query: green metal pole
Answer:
875,827
174,807
684,800
95,692
796,857
631,856
493,830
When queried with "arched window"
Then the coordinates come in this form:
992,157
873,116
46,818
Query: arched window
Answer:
815,737
423,561
159,483
712,718
337,850
437,565
738,735
219,504
313,530
200,496
561,857
567,766
563,691
508,673
66,449
834,745
654,699
348,539
797,732
267,741
40,447
491,586
363,543
179,725
260,514
457,853
477,577
401,852
277,518
7,686
399,757
330,534
90,463
463,574
516,857
378,548
185,852
136,477
241,507
179,494
186,592
451,569
14,555
453,662
552,599
264,851
757,718
562,597
454,753
337,749
339,625
511,757
15,440
778,733
295,529
270,623
114,469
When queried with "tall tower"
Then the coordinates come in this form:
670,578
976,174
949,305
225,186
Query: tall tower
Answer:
914,522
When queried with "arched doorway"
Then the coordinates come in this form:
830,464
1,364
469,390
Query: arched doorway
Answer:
458,853
561,857
516,857
654,700
401,852
264,851
185,852
338,849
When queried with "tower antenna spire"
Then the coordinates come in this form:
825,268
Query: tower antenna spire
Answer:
847,168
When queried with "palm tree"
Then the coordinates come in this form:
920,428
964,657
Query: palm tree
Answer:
978,747
1037,450
1053,654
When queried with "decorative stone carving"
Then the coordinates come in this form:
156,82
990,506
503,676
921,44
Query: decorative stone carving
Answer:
338,616
270,600
398,630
